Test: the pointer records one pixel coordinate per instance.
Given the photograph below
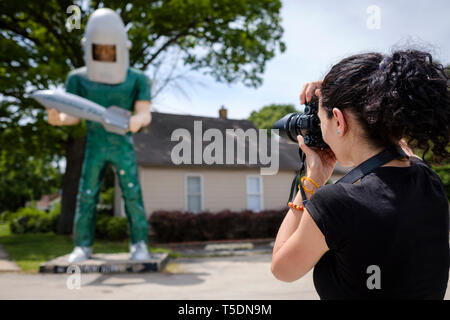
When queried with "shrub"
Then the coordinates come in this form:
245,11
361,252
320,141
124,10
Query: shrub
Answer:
111,228
32,220
107,197
175,226
5,216
55,206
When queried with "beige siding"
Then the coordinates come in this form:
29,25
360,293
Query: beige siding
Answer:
224,189
164,189
277,189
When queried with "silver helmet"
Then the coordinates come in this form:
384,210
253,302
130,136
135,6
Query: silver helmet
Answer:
105,31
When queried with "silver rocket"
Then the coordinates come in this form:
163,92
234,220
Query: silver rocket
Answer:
114,119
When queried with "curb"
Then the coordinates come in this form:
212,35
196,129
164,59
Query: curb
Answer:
221,248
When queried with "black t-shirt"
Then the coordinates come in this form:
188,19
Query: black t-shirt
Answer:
395,219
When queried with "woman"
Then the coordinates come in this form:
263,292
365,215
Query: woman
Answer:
387,235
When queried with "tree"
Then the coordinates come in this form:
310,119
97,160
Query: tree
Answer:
231,40
24,178
268,115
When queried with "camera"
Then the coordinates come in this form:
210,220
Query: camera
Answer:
306,124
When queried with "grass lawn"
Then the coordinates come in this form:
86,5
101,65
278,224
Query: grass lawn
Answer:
30,250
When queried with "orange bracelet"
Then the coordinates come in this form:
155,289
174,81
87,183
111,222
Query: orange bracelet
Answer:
312,181
295,206
306,189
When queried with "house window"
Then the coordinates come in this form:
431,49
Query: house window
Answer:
254,193
194,193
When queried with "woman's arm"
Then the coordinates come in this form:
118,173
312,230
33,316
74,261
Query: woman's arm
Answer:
290,223
299,244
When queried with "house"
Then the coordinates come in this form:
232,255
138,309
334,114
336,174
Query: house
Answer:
197,184
44,203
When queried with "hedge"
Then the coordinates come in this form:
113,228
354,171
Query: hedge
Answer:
169,226
176,226
32,220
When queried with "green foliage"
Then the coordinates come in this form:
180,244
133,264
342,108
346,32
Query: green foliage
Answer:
107,197
32,220
5,216
55,206
443,170
268,115
24,177
30,250
111,228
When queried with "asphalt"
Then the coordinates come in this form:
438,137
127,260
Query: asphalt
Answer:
225,271
231,277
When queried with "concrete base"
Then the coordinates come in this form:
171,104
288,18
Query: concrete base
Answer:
107,263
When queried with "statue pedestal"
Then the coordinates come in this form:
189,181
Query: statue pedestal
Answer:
107,263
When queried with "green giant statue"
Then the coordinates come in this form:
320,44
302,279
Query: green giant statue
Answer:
108,81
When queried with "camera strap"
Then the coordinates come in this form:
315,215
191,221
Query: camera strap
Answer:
297,179
355,174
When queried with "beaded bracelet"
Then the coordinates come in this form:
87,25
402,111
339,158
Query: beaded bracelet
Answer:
311,180
295,206
305,188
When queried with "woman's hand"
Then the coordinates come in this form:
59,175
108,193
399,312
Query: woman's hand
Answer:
309,89
319,163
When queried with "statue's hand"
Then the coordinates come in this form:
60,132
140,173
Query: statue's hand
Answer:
135,123
54,117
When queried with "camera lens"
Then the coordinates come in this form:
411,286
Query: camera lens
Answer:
306,124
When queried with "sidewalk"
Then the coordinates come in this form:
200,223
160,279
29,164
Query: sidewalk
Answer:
222,248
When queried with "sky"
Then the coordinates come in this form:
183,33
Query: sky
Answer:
318,34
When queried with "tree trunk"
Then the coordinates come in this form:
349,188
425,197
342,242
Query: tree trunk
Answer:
71,179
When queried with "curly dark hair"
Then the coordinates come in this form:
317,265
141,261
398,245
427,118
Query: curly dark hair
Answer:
405,95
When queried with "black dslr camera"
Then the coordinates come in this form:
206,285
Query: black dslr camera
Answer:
306,124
